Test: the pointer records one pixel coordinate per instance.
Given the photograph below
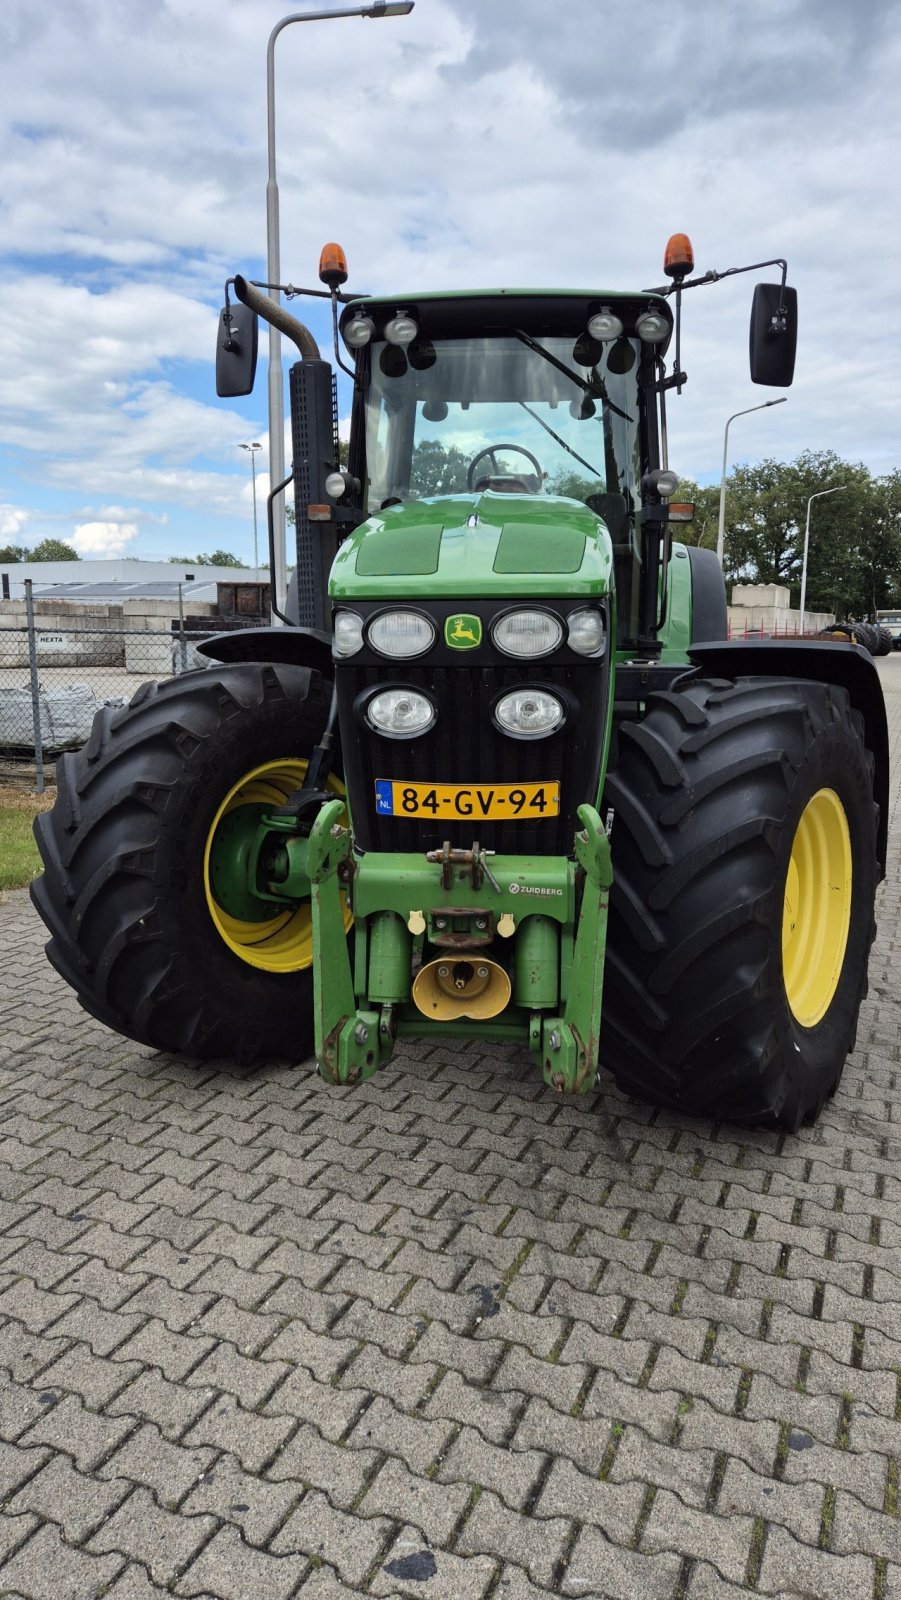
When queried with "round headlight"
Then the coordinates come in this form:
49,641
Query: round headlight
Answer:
348,633
529,713
401,329
652,326
401,634
358,331
586,633
400,713
335,485
604,325
527,633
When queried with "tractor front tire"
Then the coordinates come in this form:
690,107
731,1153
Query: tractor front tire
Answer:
127,890
741,915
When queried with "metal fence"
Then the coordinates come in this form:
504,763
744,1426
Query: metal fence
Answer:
53,679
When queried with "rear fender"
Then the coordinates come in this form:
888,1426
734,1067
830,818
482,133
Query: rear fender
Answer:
822,662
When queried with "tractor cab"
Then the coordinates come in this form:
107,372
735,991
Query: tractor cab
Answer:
533,396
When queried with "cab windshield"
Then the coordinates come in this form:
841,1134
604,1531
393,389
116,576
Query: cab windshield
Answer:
509,412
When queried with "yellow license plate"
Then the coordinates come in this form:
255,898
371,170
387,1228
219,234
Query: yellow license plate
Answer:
454,802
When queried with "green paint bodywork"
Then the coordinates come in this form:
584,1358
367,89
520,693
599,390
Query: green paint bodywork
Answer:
488,545
353,1039
368,302
675,635
257,860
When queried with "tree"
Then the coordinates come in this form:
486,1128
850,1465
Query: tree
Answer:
574,486
879,546
13,552
215,558
704,526
53,550
435,469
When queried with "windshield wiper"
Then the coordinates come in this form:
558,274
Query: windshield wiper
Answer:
568,448
595,387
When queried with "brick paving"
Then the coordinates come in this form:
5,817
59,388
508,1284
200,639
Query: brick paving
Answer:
442,1336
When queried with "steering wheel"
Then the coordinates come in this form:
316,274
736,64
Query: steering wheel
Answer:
491,451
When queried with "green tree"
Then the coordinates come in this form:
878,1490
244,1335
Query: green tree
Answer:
53,550
766,509
213,558
704,526
879,546
437,470
574,486
13,552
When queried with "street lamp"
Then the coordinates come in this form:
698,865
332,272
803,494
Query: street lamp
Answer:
252,449
820,492
720,538
379,8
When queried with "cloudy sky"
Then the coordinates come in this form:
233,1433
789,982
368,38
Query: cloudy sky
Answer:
473,143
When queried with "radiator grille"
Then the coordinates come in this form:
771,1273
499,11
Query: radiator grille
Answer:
465,747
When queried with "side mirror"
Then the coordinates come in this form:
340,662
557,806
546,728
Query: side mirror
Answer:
236,350
774,335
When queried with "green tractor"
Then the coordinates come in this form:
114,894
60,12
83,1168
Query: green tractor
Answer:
501,776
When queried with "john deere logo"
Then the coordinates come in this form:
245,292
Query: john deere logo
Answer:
463,632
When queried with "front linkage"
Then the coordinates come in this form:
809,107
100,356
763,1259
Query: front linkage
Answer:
458,904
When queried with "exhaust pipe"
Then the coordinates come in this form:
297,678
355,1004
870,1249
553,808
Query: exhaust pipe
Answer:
271,311
447,989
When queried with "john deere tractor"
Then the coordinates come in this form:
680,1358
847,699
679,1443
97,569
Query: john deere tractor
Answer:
497,773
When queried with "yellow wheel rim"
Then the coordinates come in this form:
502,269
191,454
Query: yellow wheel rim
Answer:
284,942
816,914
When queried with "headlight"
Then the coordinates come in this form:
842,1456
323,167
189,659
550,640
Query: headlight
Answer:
401,634
586,633
527,633
529,713
400,713
348,633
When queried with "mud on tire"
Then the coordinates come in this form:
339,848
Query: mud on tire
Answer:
123,848
708,792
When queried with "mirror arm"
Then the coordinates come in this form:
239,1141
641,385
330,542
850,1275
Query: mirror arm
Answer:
351,371
291,289
270,520
730,272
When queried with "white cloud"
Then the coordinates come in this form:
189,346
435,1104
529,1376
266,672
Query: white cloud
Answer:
104,538
469,144
12,521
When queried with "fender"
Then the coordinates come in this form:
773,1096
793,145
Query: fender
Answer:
821,661
301,647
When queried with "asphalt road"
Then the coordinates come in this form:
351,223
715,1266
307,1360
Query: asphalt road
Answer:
444,1335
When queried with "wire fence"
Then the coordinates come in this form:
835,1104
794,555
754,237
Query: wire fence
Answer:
56,673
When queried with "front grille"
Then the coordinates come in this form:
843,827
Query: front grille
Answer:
465,747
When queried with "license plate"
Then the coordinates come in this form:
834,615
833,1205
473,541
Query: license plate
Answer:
499,802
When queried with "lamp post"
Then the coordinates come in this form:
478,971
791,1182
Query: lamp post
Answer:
721,534
820,492
252,451
379,8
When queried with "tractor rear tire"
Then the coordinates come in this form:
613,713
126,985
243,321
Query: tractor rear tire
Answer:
125,890
741,916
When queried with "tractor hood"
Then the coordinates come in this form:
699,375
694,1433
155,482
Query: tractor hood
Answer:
471,546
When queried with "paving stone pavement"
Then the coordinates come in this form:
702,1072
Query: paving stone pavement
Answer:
444,1335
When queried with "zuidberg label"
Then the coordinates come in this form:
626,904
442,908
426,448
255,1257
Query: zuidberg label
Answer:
532,888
